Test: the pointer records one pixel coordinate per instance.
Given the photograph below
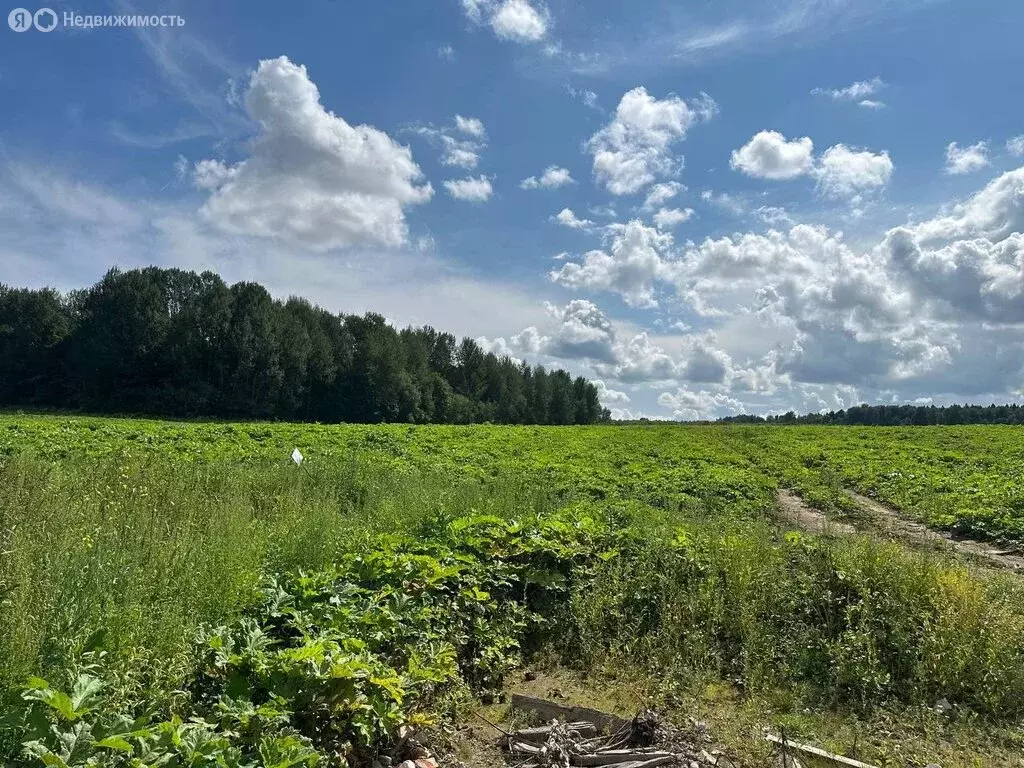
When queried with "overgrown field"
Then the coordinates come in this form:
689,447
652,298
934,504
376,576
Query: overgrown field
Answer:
183,594
967,479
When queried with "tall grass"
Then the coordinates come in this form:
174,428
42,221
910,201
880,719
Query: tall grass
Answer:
132,556
852,623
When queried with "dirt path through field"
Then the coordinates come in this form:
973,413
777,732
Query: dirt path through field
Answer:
881,518
889,520
796,511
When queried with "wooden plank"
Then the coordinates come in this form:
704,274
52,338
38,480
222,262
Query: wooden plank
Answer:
548,710
541,733
807,749
615,756
667,760
522,746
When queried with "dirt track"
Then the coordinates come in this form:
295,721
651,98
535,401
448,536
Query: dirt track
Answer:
889,520
880,518
796,511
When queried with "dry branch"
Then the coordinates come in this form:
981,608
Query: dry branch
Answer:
550,711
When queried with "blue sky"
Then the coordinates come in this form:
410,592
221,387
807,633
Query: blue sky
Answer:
711,207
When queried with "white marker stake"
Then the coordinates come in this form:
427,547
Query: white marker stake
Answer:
297,456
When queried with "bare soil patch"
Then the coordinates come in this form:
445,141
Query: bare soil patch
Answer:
797,512
890,520
874,516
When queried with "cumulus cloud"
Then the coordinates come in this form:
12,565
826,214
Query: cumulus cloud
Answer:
567,218
858,91
993,213
470,125
1015,146
553,177
689,405
668,218
927,304
970,265
768,155
635,259
960,160
845,172
310,177
581,331
661,193
609,396
840,171
635,148
473,190
515,20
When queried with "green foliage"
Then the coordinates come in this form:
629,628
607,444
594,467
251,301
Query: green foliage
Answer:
969,479
331,663
175,343
240,610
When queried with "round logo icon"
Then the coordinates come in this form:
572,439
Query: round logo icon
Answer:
45,20
20,20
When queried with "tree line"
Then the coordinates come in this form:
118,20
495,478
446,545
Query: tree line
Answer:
168,342
897,416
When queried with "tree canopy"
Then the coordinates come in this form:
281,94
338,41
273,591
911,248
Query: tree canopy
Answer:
169,342
897,415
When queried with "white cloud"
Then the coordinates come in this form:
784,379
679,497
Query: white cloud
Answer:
858,91
635,259
569,219
515,20
471,126
725,201
311,178
473,190
457,151
961,160
845,172
668,218
841,171
589,98
609,396
871,104
993,213
1015,146
634,149
475,9
605,211
553,177
446,52
688,405
774,215
661,193
768,155
518,20
638,359
67,232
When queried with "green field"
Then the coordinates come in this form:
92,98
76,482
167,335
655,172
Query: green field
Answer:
183,592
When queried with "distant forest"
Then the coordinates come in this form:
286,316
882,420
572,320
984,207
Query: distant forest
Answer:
897,415
173,343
